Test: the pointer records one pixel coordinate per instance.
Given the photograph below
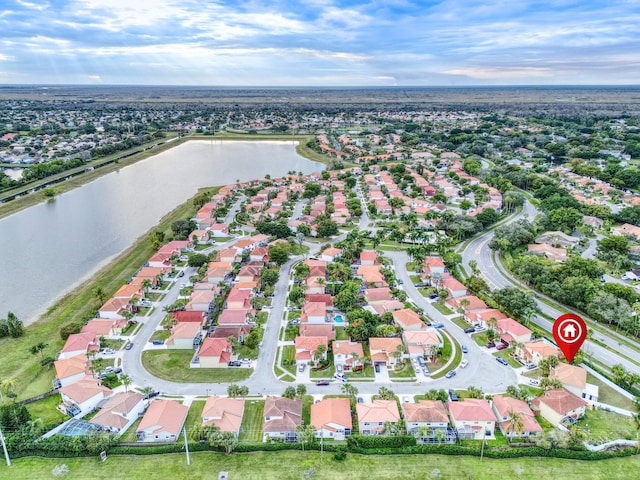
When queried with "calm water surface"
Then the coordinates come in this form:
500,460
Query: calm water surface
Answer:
48,249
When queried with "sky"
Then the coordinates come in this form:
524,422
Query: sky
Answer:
320,42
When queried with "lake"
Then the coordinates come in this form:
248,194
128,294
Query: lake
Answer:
48,249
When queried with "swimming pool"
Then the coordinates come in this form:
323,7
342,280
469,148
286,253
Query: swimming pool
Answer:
338,319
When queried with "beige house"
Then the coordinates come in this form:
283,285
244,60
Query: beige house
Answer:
559,406
332,418
375,416
512,331
223,412
348,354
473,418
534,352
424,418
407,319
214,353
503,407
162,421
383,350
120,412
422,343
185,335
574,379
281,417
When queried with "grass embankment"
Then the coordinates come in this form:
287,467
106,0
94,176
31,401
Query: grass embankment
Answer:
21,365
293,465
30,199
173,365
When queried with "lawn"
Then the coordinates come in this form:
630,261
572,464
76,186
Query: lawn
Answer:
442,308
173,365
506,354
461,322
130,434
252,420
18,362
447,351
602,426
160,335
307,401
406,373
341,334
194,416
609,395
291,332
293,465
289,358
293,314
364,374
46,411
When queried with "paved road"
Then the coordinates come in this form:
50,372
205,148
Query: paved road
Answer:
497,278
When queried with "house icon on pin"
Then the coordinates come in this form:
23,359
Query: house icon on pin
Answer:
569,331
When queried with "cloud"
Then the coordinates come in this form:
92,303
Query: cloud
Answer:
95,78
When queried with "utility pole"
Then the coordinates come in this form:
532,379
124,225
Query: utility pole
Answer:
484,439
186,444
4,447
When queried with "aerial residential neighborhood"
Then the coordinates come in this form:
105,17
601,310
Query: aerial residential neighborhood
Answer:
401,298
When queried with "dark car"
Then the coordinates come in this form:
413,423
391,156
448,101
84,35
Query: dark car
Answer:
490,345
438,325
433,296
469,330
235,363
158,342
501,346
360,399
377,367
502,361
181,274
465,349
450,374
453,395
128,346
323,383
117,370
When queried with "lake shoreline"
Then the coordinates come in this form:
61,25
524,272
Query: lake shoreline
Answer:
35,198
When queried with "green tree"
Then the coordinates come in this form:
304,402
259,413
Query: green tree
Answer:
226,440
306,433
38,348
279,253
385,393
301,390
126,381
515,423
289,392
197,259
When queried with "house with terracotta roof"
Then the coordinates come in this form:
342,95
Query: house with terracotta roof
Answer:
533,352
217,271
513,332
106,327
238,299
83,396
375,296
484,317
373,417
162,422
223,412
504,406
72,369
558,406
433,266
235,317
425,418
384,350
114,308
322,298
574,379
214,353
317,268
201,300
422,343
468,303
409,320
160,260
120,412
372,276
473,418
219,230
306,348
332,418
368,257
190,316
185,335
228,255
330,254
453,286
316,285
348,354
176,247
129,291
317,330
79,343
281,417
313,312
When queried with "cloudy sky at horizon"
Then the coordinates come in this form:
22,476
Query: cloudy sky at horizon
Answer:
320,42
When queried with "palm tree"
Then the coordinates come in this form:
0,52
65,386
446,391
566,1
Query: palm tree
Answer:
98,292
126,381
38,348
398,353
318,354
305,434
514,423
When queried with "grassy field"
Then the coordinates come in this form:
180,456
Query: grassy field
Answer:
17,360
252,421
506,354
173,365
442,308
293,465
601,426
609,395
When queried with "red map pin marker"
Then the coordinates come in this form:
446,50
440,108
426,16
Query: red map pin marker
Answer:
570,331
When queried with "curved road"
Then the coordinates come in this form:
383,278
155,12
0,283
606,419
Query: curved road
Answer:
478,250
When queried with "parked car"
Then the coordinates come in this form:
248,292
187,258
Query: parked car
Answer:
245,360
128,346
453,395
301,367
534,382
360,400
108,351
450,374
502,361
234,363
490,345
438,325
377,368
465,349
117,370
323,383
158,342
341,377
426,372
181,274
501,346
469,330
405,399
433,296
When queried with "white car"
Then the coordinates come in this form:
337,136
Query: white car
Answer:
464,363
